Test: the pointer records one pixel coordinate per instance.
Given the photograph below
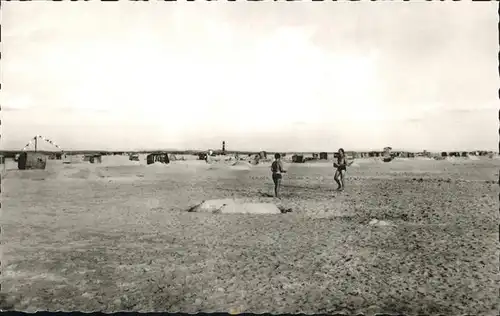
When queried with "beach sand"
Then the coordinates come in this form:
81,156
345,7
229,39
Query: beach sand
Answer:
117,236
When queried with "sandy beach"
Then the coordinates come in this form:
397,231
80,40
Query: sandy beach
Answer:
410,236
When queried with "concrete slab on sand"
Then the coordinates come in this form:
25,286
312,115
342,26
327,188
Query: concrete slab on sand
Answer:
230,206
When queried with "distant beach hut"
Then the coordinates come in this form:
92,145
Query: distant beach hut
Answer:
133,157
2,159
68,158
95,158
92,158
323,156
157,157
298,158
31,160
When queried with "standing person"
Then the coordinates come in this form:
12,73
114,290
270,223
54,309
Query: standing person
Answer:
341,166
277,170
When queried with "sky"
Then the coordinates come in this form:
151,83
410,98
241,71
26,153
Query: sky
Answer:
260,76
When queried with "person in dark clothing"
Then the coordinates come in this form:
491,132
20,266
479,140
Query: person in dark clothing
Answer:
341,166
277,170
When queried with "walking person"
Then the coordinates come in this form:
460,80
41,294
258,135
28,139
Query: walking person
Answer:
341,166
277,170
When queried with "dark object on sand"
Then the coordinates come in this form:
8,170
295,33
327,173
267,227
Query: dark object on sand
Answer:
388,159
95,159
133,157
298,158
31,160
152,158
323,156
92,158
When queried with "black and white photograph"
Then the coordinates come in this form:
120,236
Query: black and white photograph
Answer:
280,157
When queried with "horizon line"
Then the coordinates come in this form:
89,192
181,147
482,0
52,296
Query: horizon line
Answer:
241,151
